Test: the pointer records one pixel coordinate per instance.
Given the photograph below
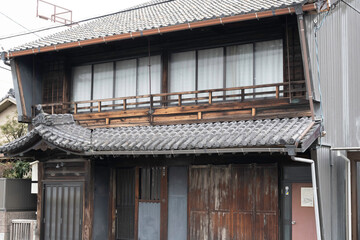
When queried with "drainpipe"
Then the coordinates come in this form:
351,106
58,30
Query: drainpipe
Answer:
316,202
305,56
348,192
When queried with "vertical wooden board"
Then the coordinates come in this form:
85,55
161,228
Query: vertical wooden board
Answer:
243,188
220,226
266,225
199,188
199,225
243,225
266,185
220,189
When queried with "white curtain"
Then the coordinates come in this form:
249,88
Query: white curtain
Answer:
125,80
239,67
81,85
268,64
143,77
183,73
103,83
210,70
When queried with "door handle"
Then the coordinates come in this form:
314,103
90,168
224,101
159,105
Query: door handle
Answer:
293,222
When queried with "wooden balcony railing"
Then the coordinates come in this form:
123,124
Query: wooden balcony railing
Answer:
258,95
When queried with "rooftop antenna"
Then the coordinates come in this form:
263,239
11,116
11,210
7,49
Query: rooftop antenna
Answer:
54,13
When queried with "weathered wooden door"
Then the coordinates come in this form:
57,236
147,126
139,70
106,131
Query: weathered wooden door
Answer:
233,202
62,217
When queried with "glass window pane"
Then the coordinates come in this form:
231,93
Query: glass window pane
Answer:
239,68
125,81
81,85
143,77
103,83
183,73
177,203
268,64
211,70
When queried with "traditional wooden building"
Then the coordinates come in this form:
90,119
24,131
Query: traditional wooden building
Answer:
177,120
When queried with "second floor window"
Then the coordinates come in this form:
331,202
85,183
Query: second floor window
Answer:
116,79
225,67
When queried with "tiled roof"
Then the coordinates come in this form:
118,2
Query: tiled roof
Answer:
61,131
157,14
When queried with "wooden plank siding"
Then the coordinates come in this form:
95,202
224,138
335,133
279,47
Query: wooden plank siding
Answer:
233,202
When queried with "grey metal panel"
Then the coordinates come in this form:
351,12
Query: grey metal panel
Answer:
338,50
101,203
323,167
2,193
149,221
18,195
177,208
62,211
331,172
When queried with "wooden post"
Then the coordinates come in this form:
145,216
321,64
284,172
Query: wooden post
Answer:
163,204
52,109
99,106
75,108
242,94
210,97
199,115
107,121
137,188
39,215
253,112
277,91
124,104
179,99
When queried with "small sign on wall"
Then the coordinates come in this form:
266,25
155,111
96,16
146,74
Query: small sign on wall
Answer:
307,197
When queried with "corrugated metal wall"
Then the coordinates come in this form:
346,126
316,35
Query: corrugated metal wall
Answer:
339,52
331,172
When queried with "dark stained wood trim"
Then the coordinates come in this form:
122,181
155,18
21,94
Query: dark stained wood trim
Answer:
88,208
165,76
136,223
164,204
40,201
112,205
21,91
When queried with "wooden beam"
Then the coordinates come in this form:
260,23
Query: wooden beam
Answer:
253,112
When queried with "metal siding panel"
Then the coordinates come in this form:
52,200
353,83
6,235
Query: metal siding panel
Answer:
177,208
323,157
149,221
339,67
2,195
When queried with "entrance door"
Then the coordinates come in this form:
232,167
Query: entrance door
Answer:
303,214
62,211
233,202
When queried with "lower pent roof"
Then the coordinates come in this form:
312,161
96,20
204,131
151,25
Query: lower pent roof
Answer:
61,131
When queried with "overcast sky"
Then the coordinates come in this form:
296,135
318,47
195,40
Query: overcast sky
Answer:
24,13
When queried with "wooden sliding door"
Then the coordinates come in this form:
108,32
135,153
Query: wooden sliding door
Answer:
233,202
